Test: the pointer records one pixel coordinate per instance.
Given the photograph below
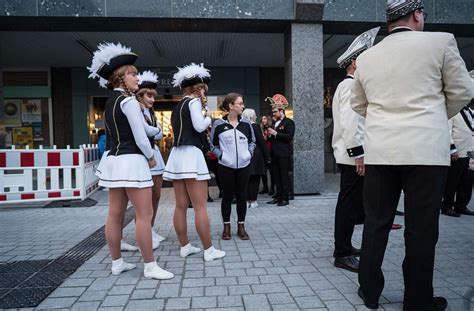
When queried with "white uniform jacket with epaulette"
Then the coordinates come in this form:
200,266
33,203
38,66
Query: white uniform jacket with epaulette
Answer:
407,87
348,134
461,133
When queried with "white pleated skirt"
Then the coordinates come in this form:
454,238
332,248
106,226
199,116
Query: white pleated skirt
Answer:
124,171
186,162
160,164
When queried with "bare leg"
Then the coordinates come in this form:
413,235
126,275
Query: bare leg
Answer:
113,228
141,200
180,212
197,191
157,183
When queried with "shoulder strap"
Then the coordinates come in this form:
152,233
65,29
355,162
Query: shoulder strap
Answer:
467,117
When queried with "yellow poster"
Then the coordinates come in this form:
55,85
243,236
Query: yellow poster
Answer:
23,136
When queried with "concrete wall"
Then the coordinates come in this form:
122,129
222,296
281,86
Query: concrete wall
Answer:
439,11
244,9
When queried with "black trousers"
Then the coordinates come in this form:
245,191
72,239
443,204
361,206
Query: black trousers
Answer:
265,181
254,183
281,174
423,188
234,182
459,185
349,209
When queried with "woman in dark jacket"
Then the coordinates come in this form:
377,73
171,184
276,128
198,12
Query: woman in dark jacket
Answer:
259,159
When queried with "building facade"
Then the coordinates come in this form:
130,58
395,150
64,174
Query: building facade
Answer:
256,48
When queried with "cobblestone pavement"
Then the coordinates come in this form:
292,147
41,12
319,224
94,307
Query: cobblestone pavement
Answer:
287,264
35,233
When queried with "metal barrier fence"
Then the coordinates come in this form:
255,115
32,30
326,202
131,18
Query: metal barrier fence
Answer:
34,175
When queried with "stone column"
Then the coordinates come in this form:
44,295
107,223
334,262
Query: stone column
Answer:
304,88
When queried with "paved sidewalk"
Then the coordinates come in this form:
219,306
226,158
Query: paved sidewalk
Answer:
35,233
287,264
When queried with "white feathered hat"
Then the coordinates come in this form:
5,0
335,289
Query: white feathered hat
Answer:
399,8
190,75
363,42
147,80
107,58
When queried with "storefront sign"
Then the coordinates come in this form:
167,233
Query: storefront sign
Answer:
165,79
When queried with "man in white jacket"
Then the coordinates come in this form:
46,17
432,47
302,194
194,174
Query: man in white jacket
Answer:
458,183
347,143
407,87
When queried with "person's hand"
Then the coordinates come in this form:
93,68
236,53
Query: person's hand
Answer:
151,162
454,156
272,132
208,113
471,164
360,167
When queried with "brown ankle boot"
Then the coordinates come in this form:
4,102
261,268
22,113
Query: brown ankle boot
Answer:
241,232
226,232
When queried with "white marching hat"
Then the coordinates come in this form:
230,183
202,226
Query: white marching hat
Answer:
400,8
190,75
363,42
107,58
147,80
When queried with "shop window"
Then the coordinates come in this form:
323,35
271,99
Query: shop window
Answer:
26,122
95,117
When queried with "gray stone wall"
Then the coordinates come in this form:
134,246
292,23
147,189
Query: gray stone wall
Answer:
304,87
243,9
439,11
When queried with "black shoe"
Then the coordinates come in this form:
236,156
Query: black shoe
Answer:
465,211
372,306
399,213
209,199
450,212
271,192
355,252
283,203
263,191
349,263
274,201
440,304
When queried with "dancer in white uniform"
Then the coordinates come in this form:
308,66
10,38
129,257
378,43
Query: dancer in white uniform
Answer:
146,95
126,167
186,166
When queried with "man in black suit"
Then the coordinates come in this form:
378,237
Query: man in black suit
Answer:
281,135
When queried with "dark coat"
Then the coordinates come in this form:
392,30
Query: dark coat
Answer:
260,154
281,144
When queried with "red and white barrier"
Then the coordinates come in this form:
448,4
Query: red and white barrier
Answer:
28,175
